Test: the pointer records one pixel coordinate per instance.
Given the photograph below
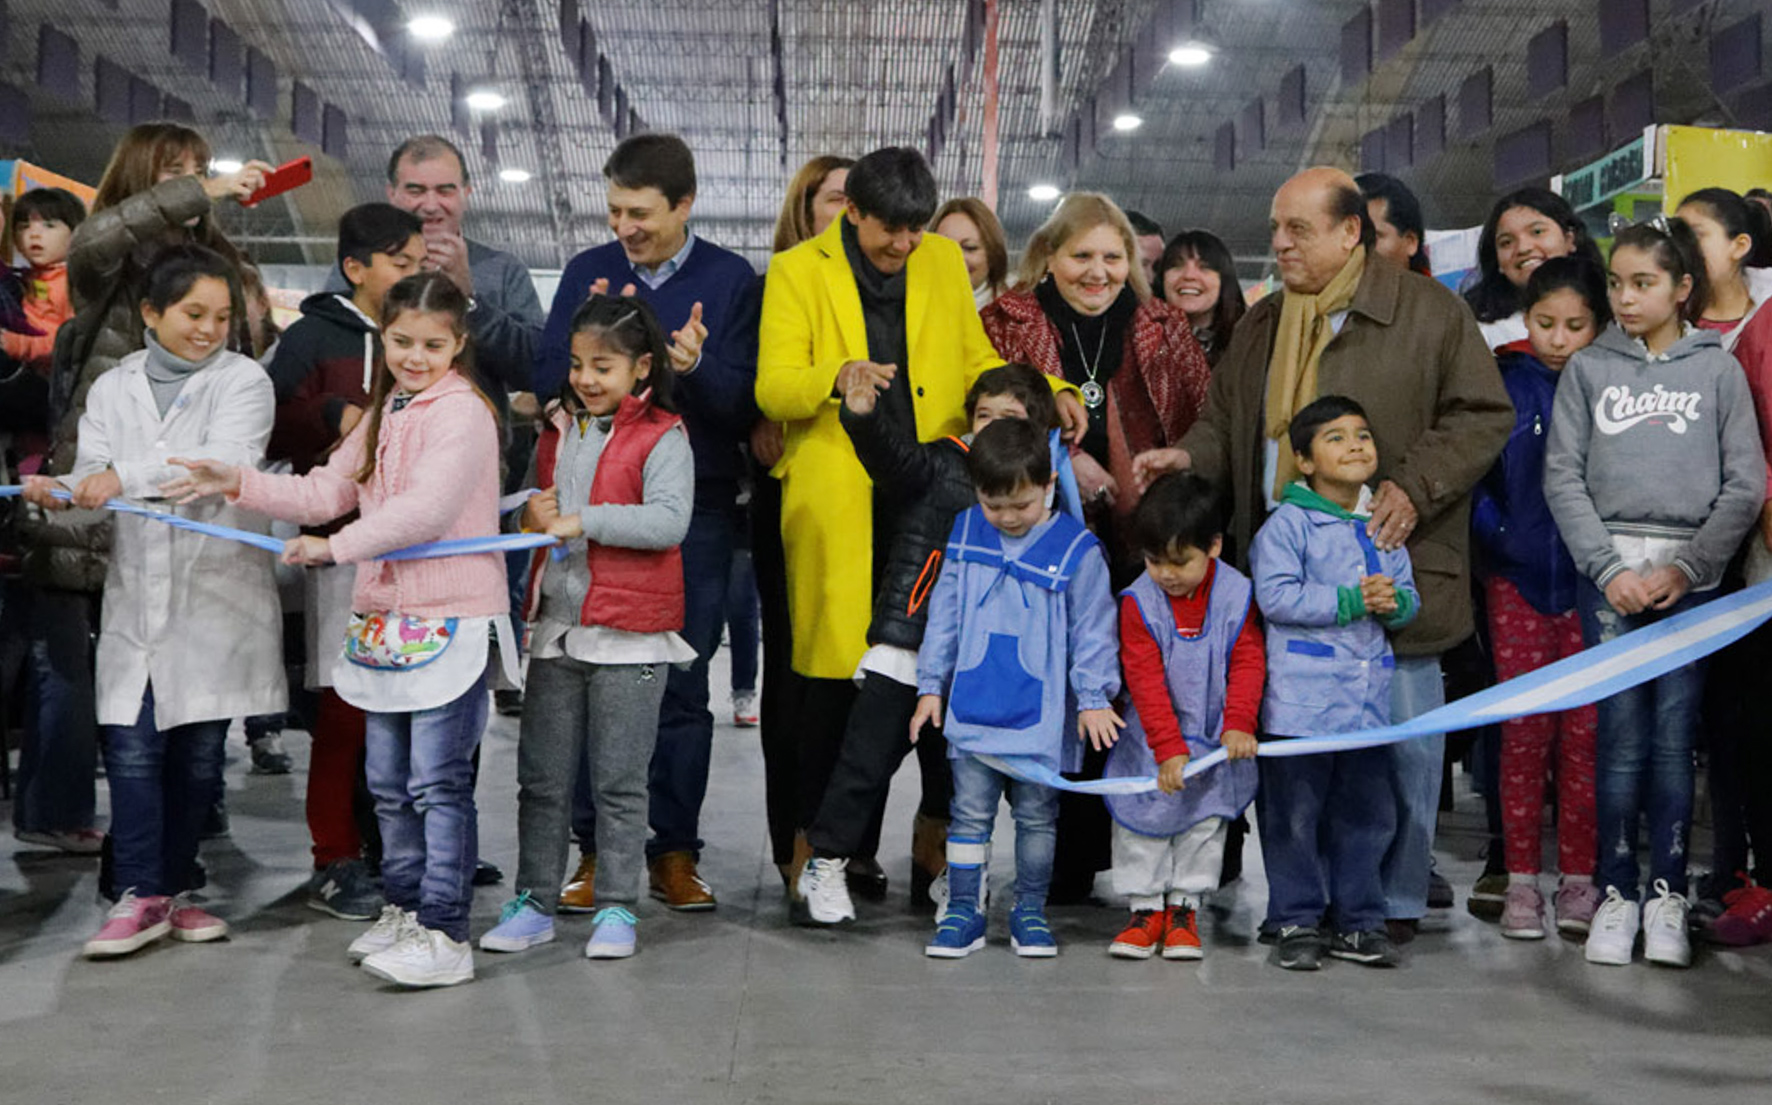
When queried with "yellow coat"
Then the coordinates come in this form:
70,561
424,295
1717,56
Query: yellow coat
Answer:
812,326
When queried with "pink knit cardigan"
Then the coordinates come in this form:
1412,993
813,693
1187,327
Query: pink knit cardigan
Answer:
436,478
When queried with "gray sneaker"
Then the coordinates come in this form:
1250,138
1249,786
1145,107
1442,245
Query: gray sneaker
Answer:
268,756
1370,949
345,890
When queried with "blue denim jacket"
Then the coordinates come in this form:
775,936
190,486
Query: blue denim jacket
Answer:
1328,662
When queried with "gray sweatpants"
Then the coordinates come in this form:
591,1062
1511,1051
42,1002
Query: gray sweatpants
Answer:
608,712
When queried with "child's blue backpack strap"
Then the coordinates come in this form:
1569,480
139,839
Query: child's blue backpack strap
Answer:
1052,561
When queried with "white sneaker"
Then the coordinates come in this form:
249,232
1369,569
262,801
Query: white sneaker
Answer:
824,883
1664,928
744,711
423,957
384,934
1613,935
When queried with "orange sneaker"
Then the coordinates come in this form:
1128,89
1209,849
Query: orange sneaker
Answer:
1142,936
1182,941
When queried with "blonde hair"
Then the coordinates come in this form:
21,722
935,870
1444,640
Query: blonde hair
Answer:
990,236
794,224
1079,213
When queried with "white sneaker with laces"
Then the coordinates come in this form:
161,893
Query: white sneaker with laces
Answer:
744,711
384,934
824,883
423,957
1613,935
1664,928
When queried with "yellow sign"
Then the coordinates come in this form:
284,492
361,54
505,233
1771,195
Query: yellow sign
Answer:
1702,157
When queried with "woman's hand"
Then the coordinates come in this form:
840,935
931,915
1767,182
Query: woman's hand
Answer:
98,489
40,491
1393,517
240,184
306,551
1095,483
1152,463
207,477
1073,417
768,442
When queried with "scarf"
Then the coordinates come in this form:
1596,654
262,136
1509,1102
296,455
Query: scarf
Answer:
1298,351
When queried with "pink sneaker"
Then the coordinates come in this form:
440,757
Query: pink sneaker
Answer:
1748,920
1576,904
194,925
1522,915
132,923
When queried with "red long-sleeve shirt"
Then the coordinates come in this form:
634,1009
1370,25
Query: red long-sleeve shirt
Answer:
1142,661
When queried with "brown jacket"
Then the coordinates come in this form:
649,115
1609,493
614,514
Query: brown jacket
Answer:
1410,353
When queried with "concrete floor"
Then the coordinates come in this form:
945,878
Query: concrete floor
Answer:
737,1006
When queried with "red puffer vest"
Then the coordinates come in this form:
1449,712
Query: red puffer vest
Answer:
638,590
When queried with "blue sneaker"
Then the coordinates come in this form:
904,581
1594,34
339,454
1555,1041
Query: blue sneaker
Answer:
1029,934
613,938
958,935
521,926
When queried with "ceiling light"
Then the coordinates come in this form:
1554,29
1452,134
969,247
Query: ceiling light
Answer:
1045,193
485,99
226,165
430,28
514,176
1190,54
1127,121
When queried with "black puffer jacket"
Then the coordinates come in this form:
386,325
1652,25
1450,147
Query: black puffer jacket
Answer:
923,487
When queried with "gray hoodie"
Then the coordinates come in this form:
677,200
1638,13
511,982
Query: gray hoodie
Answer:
1663,446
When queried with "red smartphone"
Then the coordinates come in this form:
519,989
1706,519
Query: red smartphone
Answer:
282,179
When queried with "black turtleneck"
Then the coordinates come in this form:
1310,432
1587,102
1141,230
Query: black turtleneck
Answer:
882,311
1080,338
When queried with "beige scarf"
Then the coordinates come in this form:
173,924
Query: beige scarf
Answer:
1298,351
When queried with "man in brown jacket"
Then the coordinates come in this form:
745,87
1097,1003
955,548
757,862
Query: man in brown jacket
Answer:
1408,350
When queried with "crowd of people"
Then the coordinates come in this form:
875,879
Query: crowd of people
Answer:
1075,514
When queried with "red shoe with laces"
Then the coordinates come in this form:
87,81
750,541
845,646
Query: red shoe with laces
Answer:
1748,918
1183,938
1142,936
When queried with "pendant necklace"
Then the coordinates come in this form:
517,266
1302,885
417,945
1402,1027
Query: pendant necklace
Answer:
1093,393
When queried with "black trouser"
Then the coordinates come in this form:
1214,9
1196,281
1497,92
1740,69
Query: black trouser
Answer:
820,725
778,703
875,742
1739,760
1085,836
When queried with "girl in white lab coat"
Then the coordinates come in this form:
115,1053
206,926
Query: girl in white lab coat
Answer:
190,634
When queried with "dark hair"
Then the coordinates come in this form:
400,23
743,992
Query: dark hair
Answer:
1346,202
1180,510
1494,295
627,325
1143,225
893,185
1737,216
424,147
661,161
1212,253
49,204
175,270
426,293
1675,252
1021,382
1006,454
1402,210
1315,416
1577,274
372,228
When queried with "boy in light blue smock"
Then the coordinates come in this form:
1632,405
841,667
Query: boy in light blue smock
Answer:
1329,596
1021,626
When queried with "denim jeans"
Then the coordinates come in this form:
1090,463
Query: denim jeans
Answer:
743,622
162,786
1643,756
421,771
59,756
1414,768
1325,821
977,790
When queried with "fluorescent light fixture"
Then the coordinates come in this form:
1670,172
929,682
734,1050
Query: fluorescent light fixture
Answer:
222,166
430,28
1190,54
486,99
1045,193
1127,121
514,176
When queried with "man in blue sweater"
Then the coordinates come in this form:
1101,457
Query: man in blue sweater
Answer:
651,192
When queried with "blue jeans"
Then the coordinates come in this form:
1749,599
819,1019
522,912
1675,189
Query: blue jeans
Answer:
421,771
1414,769
977,790
1325,821
743,622
1643,756
59,755
162,786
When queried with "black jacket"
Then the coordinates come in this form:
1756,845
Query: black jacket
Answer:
922,488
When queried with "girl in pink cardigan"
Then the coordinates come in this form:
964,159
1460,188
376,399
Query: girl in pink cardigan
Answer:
423,466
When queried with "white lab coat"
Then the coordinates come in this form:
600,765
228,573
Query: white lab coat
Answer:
195,615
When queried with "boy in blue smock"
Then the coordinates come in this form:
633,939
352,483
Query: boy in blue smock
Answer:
1329,596
1021,631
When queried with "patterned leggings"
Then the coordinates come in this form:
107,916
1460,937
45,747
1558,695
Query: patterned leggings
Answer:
1525,640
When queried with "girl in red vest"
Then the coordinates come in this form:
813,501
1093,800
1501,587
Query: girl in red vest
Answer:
604,614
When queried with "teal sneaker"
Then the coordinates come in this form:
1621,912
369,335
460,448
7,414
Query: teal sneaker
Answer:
1029,934
521,926
613,937
958,935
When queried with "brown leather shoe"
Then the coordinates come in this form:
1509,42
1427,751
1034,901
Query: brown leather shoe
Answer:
579,895
676,883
